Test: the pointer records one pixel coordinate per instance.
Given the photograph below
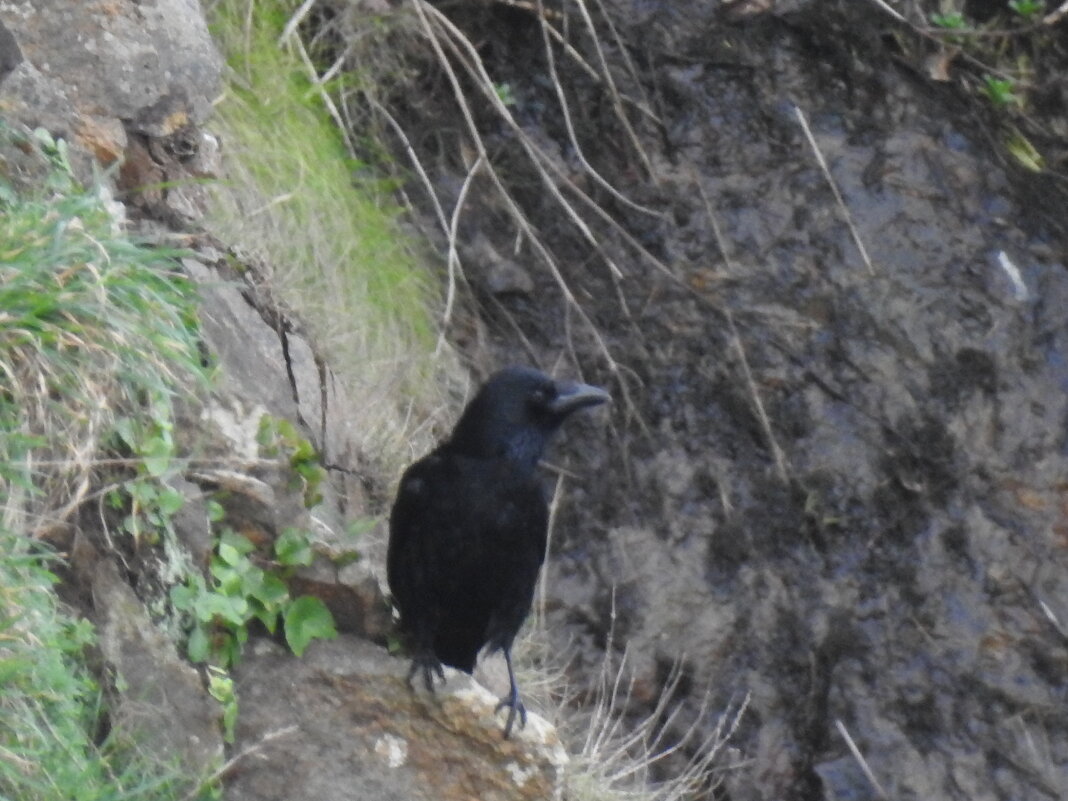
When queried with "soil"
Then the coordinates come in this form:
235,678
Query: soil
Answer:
836,474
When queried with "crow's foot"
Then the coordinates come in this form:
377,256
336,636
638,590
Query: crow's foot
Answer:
430,666
515,707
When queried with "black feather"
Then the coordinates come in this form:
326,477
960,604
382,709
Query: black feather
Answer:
469,525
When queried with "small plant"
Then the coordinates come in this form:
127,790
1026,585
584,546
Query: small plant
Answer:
1027,9
950,21
239,591
1000,91
1021,149
150,504
220,609
277,437
221,688
61,176
505,93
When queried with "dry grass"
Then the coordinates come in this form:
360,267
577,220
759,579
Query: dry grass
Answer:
670,752
617,757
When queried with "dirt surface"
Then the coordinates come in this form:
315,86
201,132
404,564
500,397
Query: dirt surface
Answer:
836,476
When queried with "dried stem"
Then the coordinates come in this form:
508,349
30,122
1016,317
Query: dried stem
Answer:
834,189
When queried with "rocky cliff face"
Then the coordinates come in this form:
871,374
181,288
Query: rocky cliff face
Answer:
836,475
102,76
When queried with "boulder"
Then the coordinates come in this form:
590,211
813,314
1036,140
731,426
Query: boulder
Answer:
105,75
159,700
343,723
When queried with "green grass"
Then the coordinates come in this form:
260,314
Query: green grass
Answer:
50,706
93,326
325,232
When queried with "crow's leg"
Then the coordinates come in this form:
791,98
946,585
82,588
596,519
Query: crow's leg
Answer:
515,706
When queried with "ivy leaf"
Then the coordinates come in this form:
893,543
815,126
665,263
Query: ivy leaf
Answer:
182,597
238,542
265,436
228,651
268,617
170,501
216,511
221,687
157,452
229,555
124,427
198,645
271,592
230,610
293,548
142,492
229,581
306,619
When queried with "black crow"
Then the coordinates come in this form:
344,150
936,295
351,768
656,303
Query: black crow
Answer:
468,529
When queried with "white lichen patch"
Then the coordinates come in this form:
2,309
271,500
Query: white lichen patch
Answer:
239,428
392,749
519,774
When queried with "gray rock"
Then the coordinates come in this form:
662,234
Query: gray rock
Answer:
498,274
96,75
191,522
249,350
162,704
342,724
285,382
33,100
10,53
151,64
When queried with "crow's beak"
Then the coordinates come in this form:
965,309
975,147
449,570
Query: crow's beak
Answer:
571,396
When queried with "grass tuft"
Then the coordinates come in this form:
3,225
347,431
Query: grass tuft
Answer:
93,324
324,230
616,757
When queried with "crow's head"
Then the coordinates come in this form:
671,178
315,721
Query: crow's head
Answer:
516,412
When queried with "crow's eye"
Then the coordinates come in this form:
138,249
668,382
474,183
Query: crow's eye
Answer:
543,394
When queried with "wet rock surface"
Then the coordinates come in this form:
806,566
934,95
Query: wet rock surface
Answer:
836,474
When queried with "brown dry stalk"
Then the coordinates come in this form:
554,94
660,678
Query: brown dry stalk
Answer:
834,189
